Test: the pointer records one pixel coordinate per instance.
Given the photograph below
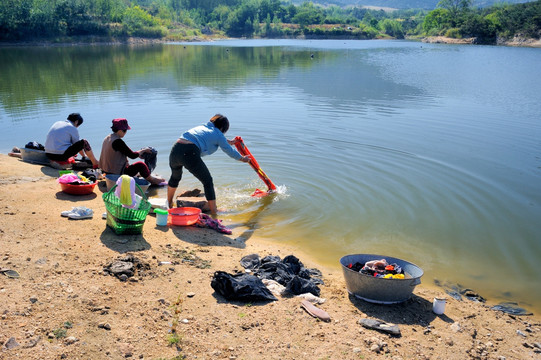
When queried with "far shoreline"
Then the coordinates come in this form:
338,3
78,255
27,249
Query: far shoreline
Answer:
96,40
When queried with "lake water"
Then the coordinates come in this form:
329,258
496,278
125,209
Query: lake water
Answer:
426,152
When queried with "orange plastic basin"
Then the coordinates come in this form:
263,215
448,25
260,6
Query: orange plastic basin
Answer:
184,216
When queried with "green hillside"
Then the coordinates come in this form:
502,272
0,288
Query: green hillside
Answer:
403,4
71,20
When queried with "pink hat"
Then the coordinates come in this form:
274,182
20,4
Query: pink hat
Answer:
121,124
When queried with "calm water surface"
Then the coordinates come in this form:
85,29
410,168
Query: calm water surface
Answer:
427,152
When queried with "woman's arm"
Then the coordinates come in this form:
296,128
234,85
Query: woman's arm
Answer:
120,145
227,148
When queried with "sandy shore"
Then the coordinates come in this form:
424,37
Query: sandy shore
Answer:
65,306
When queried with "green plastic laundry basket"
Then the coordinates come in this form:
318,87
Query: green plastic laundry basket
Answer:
123,220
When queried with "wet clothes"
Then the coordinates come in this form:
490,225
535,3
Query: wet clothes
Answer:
289,272
378,268
150,158
206,221
241,287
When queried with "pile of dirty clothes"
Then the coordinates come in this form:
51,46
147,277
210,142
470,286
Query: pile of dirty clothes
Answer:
289,272
379,269
75,179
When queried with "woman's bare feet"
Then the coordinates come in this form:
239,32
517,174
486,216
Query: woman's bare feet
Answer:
155,180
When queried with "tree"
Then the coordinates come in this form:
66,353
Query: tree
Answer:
436,21
474,25
268,28
240,21
256,26
290,13
370,20
456,8
393,28
139,22
220,15
13,18
308,14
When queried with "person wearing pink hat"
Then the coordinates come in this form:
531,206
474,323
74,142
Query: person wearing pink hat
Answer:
115,153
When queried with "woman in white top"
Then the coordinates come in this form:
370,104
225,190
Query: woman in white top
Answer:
63,141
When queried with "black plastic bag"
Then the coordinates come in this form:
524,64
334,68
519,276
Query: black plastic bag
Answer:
294,263
277,271
270,258
250,262
34,145
289,272
298,286
242,287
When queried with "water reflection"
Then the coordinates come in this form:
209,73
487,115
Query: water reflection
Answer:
37,75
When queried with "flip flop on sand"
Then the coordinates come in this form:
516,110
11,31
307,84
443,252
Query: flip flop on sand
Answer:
379,325
10,273
315,311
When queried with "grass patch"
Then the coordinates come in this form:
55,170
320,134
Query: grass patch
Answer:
173,339
68,325
178,357
60,333
190,258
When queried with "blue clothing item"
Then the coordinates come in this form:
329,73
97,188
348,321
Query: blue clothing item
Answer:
60,137
208,138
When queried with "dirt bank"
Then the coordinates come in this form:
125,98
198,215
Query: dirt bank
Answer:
65,306
516,41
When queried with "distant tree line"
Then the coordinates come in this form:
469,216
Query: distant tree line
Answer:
181,19
457,19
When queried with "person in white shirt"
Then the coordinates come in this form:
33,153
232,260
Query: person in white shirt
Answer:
63,141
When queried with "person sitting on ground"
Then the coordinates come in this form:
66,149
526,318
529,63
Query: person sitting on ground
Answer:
115,153
63,141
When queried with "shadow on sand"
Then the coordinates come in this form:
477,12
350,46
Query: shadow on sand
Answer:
414,311
123,243
205,237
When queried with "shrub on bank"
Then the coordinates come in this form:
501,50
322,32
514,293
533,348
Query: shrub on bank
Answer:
453,33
